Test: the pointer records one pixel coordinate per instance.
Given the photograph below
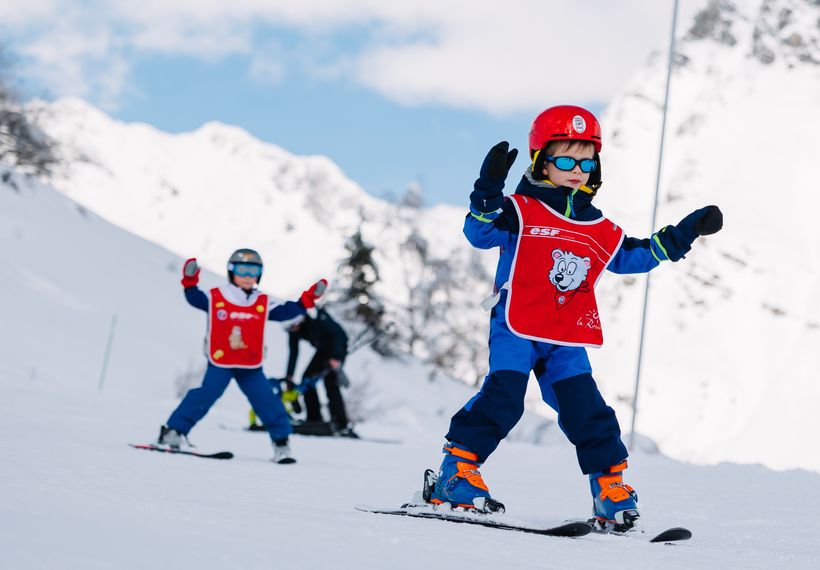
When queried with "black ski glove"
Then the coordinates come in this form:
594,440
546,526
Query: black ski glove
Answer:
704,222
488,195
677,240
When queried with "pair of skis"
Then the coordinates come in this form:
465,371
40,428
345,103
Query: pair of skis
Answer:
570,529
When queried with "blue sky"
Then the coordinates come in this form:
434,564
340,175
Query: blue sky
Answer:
393,92
381,144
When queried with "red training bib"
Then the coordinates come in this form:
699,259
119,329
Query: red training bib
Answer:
236,335
557,264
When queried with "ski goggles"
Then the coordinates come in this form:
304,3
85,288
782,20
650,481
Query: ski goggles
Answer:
567,163
246,269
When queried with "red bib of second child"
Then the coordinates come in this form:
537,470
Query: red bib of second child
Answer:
236,335
557,264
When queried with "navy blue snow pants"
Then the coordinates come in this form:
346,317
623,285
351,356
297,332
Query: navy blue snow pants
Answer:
565,378
254,385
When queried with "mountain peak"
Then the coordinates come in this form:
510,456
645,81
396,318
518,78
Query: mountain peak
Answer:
785,31
222,134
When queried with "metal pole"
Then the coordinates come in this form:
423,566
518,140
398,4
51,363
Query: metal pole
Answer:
108,350
654,215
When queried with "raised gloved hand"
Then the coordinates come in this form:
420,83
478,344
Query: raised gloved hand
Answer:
309,297
190,273
488,195
677,240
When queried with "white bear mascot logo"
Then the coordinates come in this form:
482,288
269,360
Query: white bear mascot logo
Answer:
568,274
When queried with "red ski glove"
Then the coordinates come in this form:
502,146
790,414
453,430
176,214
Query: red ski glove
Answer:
190,273
309,297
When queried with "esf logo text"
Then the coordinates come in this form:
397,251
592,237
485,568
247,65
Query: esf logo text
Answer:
544,231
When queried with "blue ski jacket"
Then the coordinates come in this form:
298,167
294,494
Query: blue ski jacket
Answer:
500,229
282,312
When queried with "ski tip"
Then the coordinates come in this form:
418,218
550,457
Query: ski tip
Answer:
673,535
383,511
220,455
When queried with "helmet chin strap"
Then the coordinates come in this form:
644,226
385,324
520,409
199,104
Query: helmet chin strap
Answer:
538,167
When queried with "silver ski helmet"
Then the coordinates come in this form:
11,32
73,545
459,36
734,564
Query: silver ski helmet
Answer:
244,256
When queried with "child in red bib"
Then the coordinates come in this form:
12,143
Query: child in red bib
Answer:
235,347
554,247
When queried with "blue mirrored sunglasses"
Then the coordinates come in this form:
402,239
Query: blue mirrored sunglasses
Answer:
246,269
567,163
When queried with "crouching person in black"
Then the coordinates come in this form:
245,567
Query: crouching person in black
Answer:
330,342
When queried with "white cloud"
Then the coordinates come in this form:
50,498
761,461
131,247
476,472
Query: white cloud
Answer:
15,13
499,57
87,64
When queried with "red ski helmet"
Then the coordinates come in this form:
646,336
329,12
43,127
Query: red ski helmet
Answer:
564,123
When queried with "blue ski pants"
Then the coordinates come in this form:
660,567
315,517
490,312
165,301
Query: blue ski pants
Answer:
565,378
253,383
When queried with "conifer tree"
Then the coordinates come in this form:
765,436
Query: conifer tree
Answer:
22,144
359,274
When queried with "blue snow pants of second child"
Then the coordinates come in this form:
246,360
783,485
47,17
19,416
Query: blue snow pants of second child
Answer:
565,378
254,385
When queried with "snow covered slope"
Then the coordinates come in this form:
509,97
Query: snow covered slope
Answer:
68,273
731,359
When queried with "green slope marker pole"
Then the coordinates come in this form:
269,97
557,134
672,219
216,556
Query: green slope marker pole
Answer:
108,350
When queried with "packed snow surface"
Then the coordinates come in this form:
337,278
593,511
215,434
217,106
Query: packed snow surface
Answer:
75,496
